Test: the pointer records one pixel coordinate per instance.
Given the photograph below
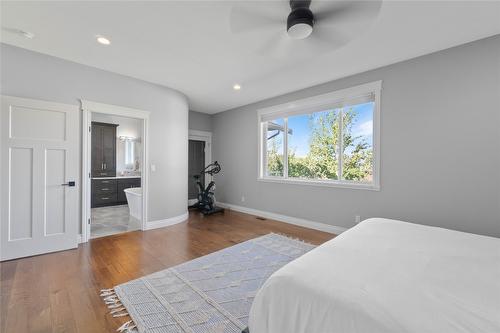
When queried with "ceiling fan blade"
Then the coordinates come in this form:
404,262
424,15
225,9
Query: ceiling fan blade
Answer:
276,47
327,39
254,16
338,12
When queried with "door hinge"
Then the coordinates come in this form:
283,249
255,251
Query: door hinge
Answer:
88,221
89,174
90,129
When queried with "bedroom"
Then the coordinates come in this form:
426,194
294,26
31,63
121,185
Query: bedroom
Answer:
390,110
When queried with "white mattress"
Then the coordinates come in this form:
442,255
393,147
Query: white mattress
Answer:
386,276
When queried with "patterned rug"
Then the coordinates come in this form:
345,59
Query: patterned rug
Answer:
210,294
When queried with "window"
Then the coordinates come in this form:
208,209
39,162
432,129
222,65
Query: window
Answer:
330,139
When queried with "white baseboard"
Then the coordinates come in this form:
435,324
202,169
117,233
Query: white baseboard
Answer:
79,238
333,229
166,222
192,201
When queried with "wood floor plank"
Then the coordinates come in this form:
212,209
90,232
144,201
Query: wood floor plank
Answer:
40,311
17,319
59,292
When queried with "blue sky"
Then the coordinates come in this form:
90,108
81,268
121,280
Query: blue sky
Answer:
299,140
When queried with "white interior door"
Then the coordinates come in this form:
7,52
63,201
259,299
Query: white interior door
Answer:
39,170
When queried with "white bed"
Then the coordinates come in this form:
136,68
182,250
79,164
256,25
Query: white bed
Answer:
386,276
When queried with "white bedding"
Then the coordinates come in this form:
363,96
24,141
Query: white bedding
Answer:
386,276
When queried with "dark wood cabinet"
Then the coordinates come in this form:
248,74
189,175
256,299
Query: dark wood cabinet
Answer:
109,192
104,192
103,149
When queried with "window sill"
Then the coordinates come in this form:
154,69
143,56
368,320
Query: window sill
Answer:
338,184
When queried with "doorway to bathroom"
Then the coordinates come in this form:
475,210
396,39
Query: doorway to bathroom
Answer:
115,147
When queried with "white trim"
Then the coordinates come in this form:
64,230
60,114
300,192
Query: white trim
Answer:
324,99
86,167
322,183
114,109
333,229
192,201
79,238
166,222
285,147
376,139
200,134
87,108
312,104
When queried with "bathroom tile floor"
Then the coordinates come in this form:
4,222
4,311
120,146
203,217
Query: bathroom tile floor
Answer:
112,220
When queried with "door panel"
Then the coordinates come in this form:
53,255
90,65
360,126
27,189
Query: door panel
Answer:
20,214
196,163
55,160
25,123
39,146
109,148
97,163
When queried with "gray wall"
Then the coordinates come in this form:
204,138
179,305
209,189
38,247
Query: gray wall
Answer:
440,142
34,75
200,121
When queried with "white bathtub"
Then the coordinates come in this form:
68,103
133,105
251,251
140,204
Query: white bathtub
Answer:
134,199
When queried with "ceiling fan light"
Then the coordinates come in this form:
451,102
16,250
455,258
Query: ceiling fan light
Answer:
300,21
300,31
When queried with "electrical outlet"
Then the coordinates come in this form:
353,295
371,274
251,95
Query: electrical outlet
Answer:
242,198
357,219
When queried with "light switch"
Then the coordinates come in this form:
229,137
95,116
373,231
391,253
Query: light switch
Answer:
153,167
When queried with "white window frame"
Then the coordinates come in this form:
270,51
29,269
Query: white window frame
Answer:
313,104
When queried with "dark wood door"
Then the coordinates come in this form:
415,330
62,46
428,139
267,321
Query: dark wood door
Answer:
196,163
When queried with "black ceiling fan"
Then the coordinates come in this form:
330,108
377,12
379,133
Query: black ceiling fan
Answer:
300,21
330,23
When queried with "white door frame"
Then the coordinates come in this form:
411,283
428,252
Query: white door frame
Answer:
207,138
87,108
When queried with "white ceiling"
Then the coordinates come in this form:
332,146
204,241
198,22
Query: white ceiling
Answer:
189,46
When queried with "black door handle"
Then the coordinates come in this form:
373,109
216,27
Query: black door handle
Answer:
70,184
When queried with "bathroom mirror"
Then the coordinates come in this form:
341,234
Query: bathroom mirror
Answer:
130,155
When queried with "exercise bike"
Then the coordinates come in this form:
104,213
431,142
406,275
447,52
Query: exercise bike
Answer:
206,196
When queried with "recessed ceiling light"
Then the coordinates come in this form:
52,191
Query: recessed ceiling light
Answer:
236,87
102,40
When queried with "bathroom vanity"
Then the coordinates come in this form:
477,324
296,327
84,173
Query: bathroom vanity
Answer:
109,191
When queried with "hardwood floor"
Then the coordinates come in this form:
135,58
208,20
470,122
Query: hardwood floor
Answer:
58,292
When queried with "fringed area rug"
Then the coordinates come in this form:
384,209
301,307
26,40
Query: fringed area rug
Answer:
210,294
